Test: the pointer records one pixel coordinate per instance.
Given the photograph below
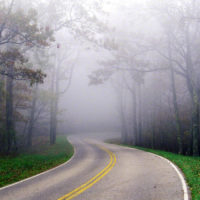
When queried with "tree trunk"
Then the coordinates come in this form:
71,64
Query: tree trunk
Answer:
9,111
135,130
52,109
175,104
124,135
32,117
2,102
194,96
195,125
177,115
57,92
195,117
153,120
139,115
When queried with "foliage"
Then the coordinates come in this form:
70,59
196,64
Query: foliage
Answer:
13,65
20,33
20,29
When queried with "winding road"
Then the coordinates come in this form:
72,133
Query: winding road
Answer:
100,171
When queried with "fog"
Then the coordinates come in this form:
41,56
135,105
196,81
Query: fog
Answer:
128,68
89,108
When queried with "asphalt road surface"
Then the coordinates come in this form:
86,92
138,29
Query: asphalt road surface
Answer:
100,171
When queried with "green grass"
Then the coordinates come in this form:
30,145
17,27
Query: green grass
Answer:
190,166
39,159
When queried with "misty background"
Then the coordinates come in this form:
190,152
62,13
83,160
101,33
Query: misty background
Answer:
130,68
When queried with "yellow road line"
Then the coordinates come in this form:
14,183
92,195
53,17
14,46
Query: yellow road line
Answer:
93,180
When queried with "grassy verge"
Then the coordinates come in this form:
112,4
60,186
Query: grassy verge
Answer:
190,166
39,159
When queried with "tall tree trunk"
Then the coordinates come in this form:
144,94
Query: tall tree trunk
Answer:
175,104
139,115
124,133
195,125
2,101
9,111
195,117
190,78
153,135
177,114
135,129
52,109
57,91
32,117
153,126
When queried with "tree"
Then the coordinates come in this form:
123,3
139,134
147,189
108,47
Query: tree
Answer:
169,49
18,30
184,59
62,71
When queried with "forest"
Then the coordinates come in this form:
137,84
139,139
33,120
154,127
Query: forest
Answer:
155,71
149,55
34,61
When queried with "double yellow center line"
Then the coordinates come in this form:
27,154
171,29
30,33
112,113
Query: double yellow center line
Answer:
93,180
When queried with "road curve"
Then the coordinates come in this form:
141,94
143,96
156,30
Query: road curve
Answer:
125,174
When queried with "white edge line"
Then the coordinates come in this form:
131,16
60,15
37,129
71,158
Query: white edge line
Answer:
42,173
185,188
180,174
